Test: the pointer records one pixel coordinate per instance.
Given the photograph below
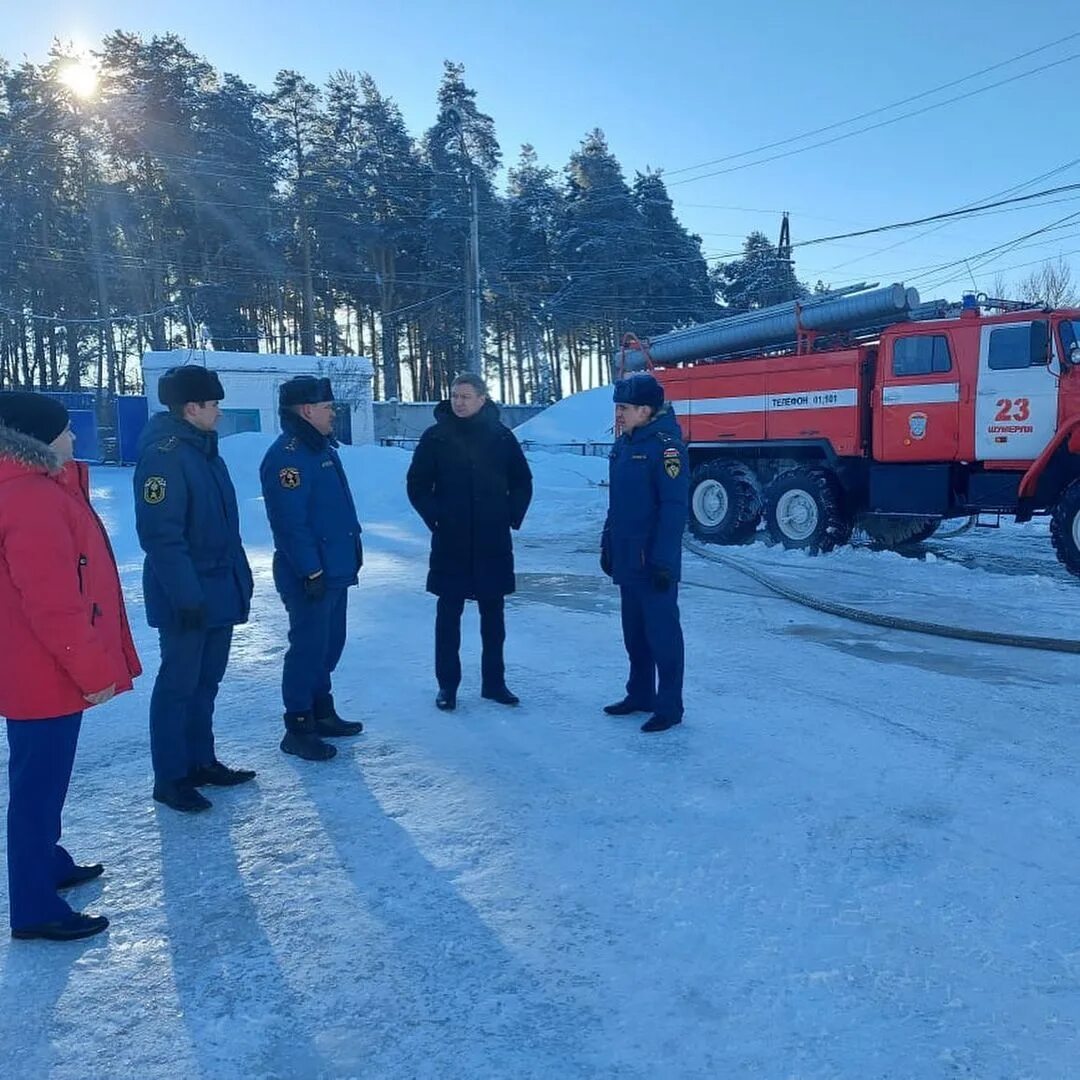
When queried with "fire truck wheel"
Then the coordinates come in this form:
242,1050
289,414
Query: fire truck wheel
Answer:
724,502
892,532
1065,528
804,509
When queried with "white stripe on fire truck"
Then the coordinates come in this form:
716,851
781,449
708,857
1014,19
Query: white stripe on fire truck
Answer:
921,394
794,399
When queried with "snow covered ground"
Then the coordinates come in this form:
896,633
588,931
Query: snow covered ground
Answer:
858,858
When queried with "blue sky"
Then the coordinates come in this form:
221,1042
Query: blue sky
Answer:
681,83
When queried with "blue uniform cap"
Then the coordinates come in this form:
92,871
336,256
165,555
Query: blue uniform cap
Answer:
639,389
304,390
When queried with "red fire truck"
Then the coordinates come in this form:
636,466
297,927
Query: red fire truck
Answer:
869,409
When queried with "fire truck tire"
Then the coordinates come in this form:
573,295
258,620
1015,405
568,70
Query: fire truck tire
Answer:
725,505
895,532
804,509
1065,528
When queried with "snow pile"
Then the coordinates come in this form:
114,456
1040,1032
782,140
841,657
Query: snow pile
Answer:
587,417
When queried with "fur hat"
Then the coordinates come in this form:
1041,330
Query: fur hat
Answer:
639,389
37,415
189,382
304,390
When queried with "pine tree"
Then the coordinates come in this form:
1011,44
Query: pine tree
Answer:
452,153
295,116
530,273
676,287
760,278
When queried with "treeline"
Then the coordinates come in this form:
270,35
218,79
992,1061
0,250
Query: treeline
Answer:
178,207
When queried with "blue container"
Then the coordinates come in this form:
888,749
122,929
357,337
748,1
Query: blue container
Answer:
132,413
85,428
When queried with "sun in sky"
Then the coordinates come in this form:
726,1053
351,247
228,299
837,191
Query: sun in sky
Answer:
80,76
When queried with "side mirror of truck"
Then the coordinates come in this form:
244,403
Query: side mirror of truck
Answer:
1040,344
1070,346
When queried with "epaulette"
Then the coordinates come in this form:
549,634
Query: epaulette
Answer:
291,444
665,437
167,444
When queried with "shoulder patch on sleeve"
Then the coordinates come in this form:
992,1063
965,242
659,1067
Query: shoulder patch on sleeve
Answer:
154,490
289,477
672,462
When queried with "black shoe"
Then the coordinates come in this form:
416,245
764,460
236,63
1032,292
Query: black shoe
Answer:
75,926
333,727
446,700
80,875
501,695
218,775
660,723
180,795
624,708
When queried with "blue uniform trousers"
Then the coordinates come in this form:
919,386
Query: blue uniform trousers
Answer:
193,664
316,641
654,643
41,754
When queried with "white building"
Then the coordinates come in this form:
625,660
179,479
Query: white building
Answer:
251,381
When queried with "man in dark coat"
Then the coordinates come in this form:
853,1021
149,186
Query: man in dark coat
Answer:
317,558
197,584
641,548
471,484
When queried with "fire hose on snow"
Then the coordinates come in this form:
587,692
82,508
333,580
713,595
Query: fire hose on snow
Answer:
871,618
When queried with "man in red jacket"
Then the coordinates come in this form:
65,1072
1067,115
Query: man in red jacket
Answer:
66,647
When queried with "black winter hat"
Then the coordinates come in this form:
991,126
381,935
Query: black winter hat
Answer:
37,415
639,389
189,382
304,390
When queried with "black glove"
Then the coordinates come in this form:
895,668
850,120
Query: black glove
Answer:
661,579
192,618
315,587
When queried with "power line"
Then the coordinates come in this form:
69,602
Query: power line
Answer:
877,111
880,124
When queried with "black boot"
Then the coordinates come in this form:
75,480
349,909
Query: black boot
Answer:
75,926
180,795
625,708
302,742
660,723
79,875
500,694
446,700
329,725
217,775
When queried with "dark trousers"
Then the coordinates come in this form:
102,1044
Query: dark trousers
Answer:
448,641
193,664
316,641
654,643
41,754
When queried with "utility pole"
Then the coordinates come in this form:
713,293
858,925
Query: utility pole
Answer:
474,328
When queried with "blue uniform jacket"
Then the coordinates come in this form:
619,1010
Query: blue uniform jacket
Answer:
310,506
189,526
648,501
